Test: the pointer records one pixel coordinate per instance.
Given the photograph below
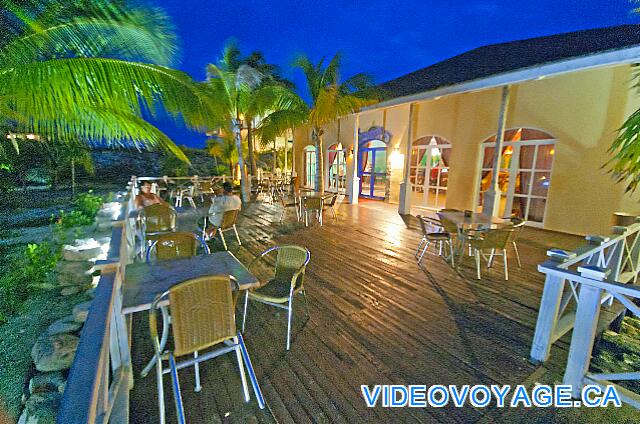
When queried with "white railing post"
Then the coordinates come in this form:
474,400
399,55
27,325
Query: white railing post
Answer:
547,317
584,330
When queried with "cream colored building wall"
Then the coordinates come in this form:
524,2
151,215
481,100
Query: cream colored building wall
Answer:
582,110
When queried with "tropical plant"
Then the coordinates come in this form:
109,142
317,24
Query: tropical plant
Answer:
257,105
330,98
88,69
223,147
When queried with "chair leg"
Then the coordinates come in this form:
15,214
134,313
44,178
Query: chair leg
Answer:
176,390
451,253
424,250
506,267
243,377
289,317
193,204
196,367
235,230
335,215
160,389
306,303
224,242
490,261
477,255
515,249
252,374
419,247
244,314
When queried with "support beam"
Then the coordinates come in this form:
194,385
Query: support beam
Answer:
354,187
491,203
404,207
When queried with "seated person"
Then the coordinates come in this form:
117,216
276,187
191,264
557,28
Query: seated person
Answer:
226,202
146,198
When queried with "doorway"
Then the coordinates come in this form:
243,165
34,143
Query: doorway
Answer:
373,170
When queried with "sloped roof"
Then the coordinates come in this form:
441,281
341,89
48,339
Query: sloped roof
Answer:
502,58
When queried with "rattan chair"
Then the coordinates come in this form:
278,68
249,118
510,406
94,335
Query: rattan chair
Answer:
289,202
433,232
203,316
518,226
494,240
155,220
330,205
229,219
176,245
287,281
312,205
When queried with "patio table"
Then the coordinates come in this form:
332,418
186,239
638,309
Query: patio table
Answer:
143,281
469,223
476,221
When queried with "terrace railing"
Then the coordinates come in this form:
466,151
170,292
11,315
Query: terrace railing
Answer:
596,274
97,390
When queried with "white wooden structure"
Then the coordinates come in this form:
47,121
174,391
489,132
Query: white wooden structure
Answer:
603,271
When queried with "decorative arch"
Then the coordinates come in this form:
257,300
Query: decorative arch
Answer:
373,134
525,172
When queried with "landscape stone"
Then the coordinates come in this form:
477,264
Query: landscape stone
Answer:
41,408
81,311
70,290
68,279
47,382
64,325
54,352
74,268
71,253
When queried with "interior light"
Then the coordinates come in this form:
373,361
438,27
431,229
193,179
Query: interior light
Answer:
396,159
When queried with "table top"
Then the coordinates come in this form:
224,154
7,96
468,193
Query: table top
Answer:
143,281
311,194
476,220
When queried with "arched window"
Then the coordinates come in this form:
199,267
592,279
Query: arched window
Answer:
337,168
310,166
429,171
525,172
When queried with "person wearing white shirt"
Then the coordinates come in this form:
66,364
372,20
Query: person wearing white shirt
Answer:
227,202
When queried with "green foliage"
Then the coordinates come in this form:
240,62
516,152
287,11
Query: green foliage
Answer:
26,274
86,207
620,352
60,62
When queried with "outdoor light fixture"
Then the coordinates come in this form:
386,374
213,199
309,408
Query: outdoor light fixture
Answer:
351,152
396,159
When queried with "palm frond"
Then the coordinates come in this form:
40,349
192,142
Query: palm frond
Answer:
57,87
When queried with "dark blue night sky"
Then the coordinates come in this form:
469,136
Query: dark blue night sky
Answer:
384,38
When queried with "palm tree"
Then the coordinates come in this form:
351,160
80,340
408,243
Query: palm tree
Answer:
223,147
229,95
87,69
330,99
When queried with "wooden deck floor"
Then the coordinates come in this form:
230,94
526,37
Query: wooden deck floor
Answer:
376,318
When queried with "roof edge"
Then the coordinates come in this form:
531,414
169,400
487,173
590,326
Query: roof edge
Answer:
582,63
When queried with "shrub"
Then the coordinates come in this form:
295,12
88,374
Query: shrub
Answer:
26,273
86,207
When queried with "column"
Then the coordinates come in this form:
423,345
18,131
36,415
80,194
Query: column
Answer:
353,190
491,203
404,208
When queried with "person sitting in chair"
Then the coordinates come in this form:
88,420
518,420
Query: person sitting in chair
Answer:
227,202
146,197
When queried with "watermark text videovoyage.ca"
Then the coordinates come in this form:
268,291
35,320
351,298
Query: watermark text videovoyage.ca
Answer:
482,396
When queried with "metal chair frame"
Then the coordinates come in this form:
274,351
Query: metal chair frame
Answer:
283,303
439,237
495,240
231,344
317,209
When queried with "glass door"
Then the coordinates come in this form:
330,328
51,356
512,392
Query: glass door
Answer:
524,178
337,169
373,170
310,166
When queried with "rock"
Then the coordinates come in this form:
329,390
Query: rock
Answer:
72,253
54,352
92,292
47,382
66,267
81,311
72,280
64,325
70,290
41,408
